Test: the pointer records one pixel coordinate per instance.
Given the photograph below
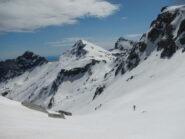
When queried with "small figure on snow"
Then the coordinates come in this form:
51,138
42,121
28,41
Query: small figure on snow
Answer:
134,107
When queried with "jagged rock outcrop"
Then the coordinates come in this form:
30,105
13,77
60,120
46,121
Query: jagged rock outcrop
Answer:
124,44
122,50
166,34
15,67
167,31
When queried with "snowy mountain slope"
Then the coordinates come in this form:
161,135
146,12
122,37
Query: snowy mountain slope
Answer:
161,42
82,72
159,100
166,35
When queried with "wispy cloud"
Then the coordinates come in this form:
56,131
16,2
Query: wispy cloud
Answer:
106,45
133,35
29,15
66,42
178,1
124,18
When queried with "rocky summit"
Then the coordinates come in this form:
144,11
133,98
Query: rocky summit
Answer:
15,67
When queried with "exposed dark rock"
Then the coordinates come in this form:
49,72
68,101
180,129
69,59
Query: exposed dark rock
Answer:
15,67
51,103
105,76
43,91
182,27
169,50
29,60
163,43
161,26
4,94
119,44
99,91
120,68
154,34
79,51
105,61
162,30
169,31
164,8
143,36
167,17
183,50
130,78
98,107
133,60
169,47
76,71
142,46
70,73
182,40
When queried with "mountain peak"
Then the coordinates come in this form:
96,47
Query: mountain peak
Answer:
124,44
122,39
28,53
80,44
15,67
83,46
85,51
30,59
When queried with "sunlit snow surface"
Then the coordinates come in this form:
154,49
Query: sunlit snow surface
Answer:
157,90
155,86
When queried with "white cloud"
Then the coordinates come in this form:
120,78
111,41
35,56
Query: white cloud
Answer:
133,35
29,15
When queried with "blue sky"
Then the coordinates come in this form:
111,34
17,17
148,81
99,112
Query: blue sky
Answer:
127,18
